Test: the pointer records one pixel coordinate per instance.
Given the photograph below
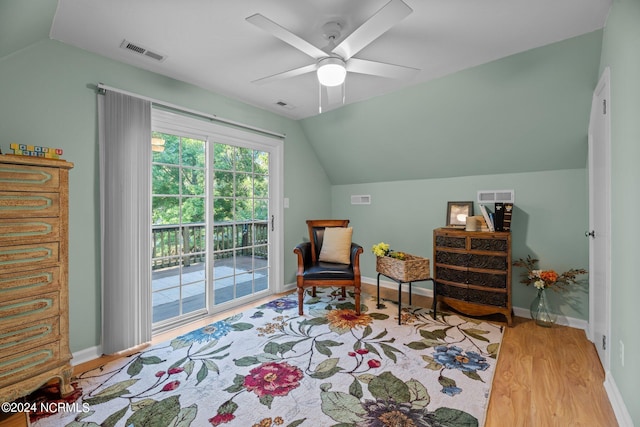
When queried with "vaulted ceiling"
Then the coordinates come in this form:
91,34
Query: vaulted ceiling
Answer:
484,101
209,42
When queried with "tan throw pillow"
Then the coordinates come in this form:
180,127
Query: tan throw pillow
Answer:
336,245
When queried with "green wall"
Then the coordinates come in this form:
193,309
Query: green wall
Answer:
519,123
549,221
407,150
621,52
48,98
523,113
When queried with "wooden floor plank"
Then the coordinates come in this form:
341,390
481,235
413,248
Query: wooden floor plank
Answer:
548,377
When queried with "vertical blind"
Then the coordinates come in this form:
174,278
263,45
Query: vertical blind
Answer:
125,200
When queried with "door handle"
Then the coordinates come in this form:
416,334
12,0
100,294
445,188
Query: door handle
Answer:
592,233
273,218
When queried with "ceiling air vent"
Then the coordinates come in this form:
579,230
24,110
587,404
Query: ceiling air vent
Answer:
140,50
492,196
361,200
285,105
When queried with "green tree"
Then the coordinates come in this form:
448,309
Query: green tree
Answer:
240,175
178,180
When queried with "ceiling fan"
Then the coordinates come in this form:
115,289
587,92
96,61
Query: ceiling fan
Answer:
334,61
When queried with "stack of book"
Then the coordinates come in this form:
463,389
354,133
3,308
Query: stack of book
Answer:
500,218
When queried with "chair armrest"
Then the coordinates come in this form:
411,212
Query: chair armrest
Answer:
303,250
356,250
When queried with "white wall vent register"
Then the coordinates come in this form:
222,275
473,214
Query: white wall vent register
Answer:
492,196
361,200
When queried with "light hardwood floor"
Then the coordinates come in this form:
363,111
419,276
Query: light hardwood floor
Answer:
545,377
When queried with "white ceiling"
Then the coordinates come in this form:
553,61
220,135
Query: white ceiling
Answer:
208,42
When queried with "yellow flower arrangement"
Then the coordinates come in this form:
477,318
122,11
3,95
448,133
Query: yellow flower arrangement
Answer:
383,249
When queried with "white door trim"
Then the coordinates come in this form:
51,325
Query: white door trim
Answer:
600,205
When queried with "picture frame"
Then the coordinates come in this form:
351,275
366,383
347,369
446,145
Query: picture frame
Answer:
457,213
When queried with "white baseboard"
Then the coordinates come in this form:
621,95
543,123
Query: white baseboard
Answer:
572,322
86,355
617,403
288,287
416,288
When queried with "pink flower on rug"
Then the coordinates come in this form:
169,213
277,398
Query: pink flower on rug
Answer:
171,386
374,363
221,419
273,379
160,373
175,370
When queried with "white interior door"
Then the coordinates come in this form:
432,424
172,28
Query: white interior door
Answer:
599,233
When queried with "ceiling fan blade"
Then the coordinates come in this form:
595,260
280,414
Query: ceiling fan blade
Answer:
385,18
382,69
287,74
286,36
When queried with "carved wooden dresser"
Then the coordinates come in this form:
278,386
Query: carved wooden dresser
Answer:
34,296
472,271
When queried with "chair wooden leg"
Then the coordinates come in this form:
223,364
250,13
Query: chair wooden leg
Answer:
356,292
344,292
300,300
313,292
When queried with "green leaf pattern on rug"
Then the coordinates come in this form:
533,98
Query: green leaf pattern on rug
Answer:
270,367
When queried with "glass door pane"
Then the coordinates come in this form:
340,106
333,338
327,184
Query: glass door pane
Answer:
240,222
178,226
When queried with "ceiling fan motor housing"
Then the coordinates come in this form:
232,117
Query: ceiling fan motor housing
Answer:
331,31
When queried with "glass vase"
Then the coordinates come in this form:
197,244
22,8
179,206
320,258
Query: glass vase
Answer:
541,310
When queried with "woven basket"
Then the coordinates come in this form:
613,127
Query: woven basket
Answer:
411,269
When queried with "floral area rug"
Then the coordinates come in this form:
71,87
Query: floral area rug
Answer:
270,367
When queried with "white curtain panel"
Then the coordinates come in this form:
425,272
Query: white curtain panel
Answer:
125,199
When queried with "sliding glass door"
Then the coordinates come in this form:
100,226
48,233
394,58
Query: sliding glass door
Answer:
178,226
214,218
240,222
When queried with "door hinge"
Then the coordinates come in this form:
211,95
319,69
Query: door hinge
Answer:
604,342
604,106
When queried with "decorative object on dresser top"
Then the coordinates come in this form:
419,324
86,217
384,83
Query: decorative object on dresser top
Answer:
472,271
400,267
457,213
34,307
36,151
499,219
542,310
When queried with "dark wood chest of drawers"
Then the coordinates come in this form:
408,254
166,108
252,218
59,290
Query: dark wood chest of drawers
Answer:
472,271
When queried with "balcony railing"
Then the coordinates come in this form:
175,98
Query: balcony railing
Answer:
186,243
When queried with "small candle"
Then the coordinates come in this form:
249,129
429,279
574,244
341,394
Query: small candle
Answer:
471,224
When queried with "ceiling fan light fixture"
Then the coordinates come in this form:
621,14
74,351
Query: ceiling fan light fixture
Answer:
331,71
